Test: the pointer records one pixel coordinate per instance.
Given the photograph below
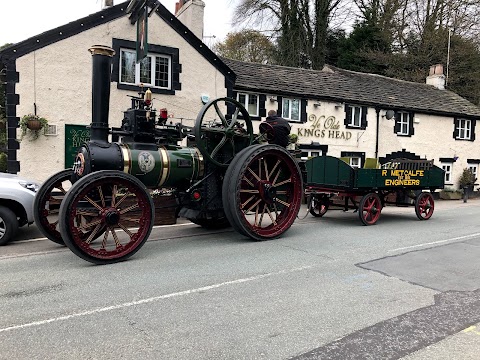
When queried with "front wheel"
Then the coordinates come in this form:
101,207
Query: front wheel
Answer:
369,209
424,206
106,217
8,225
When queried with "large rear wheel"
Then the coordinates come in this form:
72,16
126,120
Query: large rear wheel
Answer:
106,217
264,192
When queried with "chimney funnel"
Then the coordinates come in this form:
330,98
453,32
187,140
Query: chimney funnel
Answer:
101,78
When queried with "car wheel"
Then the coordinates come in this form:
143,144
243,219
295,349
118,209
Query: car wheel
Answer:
8,225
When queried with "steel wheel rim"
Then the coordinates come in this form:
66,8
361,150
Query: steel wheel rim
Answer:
111,202
224,132
426,206
268,194
3,228
371,209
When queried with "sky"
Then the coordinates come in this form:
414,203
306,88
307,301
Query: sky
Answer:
21,19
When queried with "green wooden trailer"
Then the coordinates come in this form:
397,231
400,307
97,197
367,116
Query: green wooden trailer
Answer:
332,183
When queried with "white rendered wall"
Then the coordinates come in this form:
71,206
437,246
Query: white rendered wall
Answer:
58,79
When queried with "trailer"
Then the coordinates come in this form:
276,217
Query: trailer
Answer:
331,183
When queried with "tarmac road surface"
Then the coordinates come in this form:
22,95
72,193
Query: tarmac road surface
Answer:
329,288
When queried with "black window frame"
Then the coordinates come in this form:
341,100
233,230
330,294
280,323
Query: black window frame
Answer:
173,53
363,117
397,128
456,129
303,109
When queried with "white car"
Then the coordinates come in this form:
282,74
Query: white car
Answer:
16,204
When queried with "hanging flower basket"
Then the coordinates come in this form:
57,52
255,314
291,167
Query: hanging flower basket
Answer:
34,124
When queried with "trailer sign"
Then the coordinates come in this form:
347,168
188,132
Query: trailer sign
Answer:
402,177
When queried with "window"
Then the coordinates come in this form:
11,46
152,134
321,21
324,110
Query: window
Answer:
355,117
160,70
154,70
473,168
291,109
403,124
355,162
464,129
448,172
307,154
250,101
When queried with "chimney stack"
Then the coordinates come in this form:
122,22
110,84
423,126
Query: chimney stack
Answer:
436,77
107,4
190,13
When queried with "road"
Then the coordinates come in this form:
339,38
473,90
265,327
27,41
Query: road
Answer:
330,288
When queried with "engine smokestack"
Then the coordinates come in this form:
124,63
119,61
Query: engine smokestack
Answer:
101,78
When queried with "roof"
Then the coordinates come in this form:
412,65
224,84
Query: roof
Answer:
336,84
102,17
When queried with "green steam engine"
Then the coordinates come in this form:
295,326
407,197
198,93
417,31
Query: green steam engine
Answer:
102,209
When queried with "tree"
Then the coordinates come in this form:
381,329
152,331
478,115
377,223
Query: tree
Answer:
300,27
247,45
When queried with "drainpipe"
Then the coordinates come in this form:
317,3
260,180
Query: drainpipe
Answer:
378,130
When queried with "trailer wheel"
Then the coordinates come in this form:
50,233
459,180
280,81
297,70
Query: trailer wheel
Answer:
318,206
106,217
47,204
424,206
264,192
220,136
370,208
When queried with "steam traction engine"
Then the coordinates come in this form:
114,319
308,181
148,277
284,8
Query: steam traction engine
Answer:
102,208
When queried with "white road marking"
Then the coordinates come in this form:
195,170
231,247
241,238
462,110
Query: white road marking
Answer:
155,227
151,299
437,242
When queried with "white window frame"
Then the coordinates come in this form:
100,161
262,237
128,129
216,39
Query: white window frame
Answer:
247,99
353,111
464,129
355,162
447,167
289,115
310,152
474,169
404,122
152,57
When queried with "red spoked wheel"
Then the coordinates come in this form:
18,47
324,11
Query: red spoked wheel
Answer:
370,208
106,217
424,206
47,204
264,192
318,205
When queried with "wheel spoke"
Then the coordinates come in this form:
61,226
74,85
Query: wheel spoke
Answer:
93,203
289,180
246,202
115,238
251,207
220,114
254,175
100,192
123,198
271,217
248,181
127,231
249,191
130,208
93,233
114,195
282,202
89,225
234,119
